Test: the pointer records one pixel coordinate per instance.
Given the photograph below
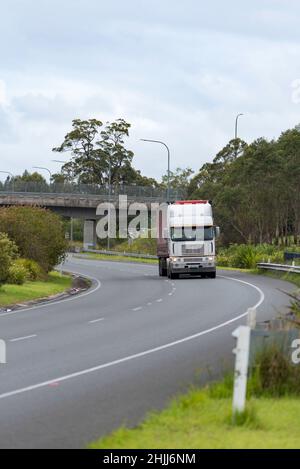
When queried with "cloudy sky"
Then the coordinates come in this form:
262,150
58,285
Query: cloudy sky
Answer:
177,70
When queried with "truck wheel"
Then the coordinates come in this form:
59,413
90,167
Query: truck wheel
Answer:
212,275
161,268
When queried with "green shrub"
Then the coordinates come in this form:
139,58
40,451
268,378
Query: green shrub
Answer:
17,274
246,256
8,252
274,374
223,260
34,271
38,233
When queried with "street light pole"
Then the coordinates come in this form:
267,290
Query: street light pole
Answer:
12,179
236,125
168,150
45,169
109,197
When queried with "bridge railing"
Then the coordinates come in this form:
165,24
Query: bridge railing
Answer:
89,189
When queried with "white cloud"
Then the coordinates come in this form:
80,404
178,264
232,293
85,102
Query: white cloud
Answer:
3,98
178,71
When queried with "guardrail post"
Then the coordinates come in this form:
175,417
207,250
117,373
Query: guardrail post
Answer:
242,335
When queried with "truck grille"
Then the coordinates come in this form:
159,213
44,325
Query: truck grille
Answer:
192,251
191,260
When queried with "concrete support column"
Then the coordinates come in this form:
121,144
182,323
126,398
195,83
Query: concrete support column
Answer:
89,234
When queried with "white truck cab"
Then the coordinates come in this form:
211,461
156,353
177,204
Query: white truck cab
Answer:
186,240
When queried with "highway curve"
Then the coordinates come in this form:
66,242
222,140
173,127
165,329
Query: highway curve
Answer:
79,368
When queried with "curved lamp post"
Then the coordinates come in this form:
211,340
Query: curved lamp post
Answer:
168,151
45,169
236,125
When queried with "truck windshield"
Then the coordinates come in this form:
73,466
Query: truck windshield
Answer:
192,233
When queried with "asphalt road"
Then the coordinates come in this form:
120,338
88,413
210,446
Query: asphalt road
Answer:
79,368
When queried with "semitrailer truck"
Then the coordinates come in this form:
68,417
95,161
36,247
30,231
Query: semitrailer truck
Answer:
186,240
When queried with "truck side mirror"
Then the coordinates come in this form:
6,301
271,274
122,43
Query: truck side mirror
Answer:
217,231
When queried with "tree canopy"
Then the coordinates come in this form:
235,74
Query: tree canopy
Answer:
254,189
95,149
179,179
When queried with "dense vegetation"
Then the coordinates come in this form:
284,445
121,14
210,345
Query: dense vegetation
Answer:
246,256
255,190
38,233
32,242
8,253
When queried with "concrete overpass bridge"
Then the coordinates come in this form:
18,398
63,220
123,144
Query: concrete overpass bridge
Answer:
79,201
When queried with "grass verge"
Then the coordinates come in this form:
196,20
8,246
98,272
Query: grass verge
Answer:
107,257
289,277
236,269
202,420
55,283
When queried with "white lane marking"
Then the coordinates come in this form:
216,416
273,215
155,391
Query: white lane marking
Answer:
141,354
149,304
96,320
261,293
23,338
159,300
54,303
137,309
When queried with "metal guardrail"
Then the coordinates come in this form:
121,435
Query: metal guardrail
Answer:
77,195
118,253
279,267
20,187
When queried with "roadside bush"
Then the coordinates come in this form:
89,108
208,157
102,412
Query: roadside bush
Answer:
246,256
34,271
223,260
38,233
139,246
274,374
17,274
8,252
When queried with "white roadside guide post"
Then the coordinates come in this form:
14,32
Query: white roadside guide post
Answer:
242,334
2,352
242,350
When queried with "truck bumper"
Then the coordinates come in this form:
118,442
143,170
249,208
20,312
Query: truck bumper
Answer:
190,270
